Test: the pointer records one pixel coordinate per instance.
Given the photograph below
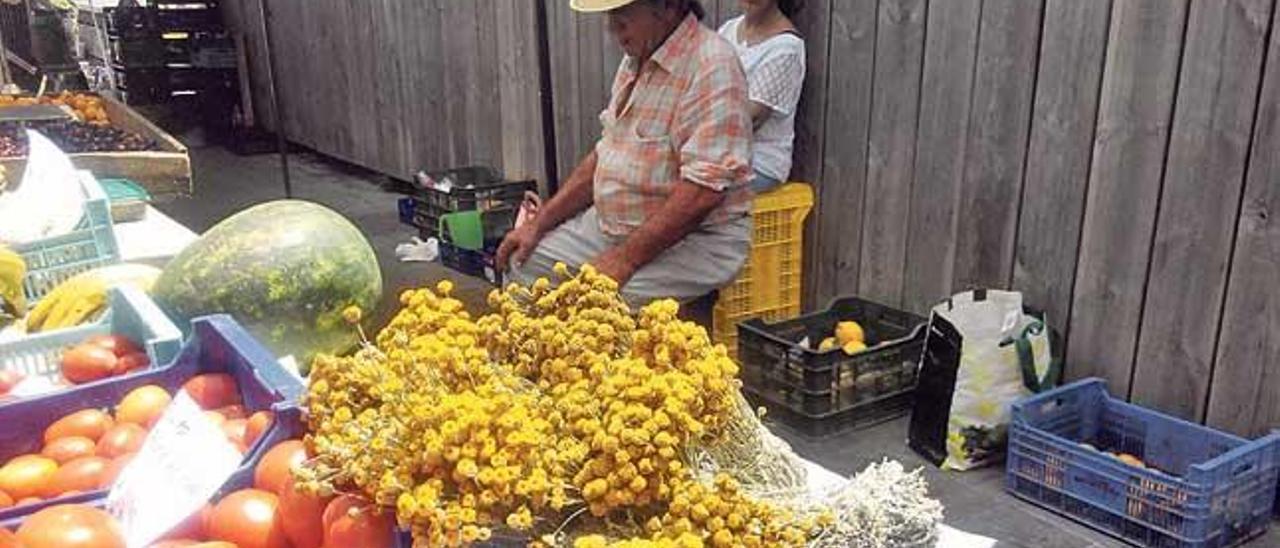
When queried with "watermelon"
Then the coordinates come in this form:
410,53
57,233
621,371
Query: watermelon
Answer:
285,270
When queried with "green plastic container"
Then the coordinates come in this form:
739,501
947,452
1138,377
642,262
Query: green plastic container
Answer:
128,199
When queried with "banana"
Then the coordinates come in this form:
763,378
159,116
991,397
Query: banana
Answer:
83,297
13,270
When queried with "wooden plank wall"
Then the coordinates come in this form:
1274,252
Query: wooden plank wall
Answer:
401,85
1115,160
1101,156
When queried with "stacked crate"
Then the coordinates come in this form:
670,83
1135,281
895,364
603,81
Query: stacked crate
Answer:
171,50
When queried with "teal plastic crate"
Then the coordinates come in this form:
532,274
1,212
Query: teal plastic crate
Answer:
132,314
92,244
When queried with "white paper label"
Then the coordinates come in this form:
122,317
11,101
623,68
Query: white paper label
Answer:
184,461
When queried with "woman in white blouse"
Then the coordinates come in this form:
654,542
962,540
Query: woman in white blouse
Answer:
772,54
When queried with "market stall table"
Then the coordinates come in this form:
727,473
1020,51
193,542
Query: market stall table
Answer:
154,240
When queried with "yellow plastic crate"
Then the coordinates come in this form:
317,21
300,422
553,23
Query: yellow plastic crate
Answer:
769,285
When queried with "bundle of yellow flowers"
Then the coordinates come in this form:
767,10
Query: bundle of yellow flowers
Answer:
559,410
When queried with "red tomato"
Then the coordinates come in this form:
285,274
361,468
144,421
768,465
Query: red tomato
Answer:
113,470
121,439
355,523
143,406
71,526
303,516
258,424
233,412
90,423
68,448
193,527
213,390
87,363
26,475
249,518
129,363
82,474
338,507
276,466
234,430
8,380
116,344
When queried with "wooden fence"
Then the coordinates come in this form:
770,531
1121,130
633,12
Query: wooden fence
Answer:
1117,161
402,85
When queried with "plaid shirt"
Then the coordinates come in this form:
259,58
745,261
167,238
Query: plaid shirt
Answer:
686,118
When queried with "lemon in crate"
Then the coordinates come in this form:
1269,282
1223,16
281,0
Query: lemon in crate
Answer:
769,285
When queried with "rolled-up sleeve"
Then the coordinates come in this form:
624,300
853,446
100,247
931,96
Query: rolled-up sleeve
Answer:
713,121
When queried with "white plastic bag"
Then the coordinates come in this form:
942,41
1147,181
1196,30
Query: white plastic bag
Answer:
982,353
48,202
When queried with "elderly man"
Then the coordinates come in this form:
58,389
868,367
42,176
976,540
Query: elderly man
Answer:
661,205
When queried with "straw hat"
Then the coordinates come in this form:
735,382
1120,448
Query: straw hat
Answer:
593,6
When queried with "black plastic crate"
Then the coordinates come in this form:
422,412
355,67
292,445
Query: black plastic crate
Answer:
177,48
142,86
187,17
831,386
474,188
421,214
862,415
481,264
138,52
130,22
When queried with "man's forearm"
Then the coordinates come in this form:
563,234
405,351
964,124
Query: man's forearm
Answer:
682,213
574,196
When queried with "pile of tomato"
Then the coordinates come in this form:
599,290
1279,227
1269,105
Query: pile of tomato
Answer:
100,357
85,451
271,514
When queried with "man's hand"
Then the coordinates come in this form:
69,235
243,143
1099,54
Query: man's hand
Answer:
519,244
615,264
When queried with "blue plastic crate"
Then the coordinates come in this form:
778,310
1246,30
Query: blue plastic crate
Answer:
217,345
132,314
92,244
1200,487
288,425
406,207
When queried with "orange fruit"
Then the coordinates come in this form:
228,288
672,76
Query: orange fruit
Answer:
213,390
26,475
90,423
68,448
123,438
82,474
258,424
143,406
249,518
276,466
116,466
71,526
303,516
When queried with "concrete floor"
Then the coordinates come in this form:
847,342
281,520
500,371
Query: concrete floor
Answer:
974,501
